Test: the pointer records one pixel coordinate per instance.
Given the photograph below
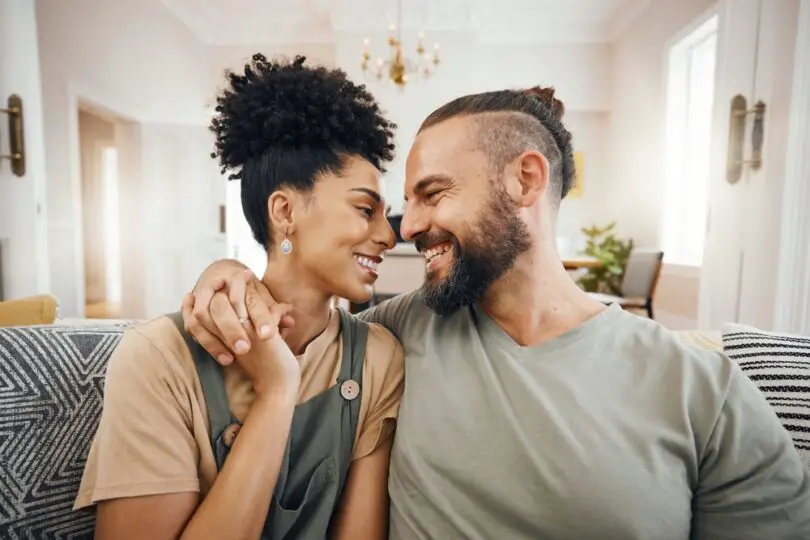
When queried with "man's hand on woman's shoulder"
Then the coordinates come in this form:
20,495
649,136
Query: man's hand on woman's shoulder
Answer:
227,297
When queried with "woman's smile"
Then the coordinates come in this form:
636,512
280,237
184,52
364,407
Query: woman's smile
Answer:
368,265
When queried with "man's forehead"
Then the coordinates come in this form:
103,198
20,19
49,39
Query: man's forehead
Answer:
441,149
456,133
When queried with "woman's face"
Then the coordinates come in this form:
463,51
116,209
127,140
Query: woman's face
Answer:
341,232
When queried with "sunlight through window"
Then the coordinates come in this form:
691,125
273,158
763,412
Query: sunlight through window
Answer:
690,98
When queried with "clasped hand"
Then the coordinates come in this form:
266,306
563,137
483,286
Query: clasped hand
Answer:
236,318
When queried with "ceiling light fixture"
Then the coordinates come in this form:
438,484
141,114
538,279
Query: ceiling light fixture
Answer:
397,68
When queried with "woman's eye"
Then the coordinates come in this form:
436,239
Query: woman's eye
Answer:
366,210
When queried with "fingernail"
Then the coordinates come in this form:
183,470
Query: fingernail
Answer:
241,347
264,331
224,359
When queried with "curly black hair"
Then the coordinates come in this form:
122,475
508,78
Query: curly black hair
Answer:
281,123
536,122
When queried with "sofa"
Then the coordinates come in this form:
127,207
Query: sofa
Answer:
40,309
52,381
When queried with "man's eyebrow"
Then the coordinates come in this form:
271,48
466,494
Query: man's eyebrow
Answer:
425,183
370,192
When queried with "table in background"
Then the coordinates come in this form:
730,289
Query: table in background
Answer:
580,262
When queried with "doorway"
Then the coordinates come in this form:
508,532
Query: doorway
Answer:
100,223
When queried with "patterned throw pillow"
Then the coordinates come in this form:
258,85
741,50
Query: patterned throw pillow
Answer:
779,364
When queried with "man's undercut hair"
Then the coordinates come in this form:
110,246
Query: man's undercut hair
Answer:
513,121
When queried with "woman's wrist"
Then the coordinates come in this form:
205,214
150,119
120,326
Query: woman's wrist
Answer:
278,390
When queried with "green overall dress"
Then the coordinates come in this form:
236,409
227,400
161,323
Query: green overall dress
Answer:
319,448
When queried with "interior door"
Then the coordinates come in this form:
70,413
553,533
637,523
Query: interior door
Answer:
765,186
23,232
755,50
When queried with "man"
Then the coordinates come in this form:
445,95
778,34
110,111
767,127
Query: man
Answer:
530,410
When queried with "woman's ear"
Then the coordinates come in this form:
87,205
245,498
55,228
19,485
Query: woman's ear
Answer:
280,213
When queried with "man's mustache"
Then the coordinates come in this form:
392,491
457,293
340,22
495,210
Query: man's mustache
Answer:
426,240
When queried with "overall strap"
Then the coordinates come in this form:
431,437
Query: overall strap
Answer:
355,334
211,380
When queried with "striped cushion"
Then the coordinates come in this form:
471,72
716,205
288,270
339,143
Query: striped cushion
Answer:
779,364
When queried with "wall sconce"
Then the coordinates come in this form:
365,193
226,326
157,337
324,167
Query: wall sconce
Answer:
16,140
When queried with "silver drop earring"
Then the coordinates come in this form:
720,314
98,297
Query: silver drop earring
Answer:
286,245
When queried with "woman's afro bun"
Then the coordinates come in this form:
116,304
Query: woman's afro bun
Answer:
287,105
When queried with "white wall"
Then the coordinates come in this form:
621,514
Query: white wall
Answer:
580,73
133,59
133,238
234,57
183,190
23,207
589,129
136,60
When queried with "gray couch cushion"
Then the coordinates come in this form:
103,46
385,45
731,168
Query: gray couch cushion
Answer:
50,401
779,364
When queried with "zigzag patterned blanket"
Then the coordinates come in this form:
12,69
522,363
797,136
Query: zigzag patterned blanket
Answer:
51,381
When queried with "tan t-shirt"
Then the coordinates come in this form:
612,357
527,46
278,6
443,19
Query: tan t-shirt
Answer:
154,435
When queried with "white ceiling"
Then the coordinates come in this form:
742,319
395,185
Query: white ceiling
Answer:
248,22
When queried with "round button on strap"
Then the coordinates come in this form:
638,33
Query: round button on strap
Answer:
350,389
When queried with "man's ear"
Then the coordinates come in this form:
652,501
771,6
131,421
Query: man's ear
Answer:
532,178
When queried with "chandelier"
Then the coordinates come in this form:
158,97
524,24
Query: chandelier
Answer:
397,67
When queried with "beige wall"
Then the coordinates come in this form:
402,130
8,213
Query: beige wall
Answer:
635,142
634,176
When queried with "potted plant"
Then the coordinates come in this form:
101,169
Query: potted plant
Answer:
612,252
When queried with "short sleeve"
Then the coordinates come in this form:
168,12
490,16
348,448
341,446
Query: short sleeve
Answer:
753,483
384,372
144,444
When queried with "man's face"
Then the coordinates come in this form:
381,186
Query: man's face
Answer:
459,216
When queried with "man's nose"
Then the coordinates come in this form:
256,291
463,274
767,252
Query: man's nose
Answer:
414,222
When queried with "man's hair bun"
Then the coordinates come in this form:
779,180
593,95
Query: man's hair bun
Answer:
545,94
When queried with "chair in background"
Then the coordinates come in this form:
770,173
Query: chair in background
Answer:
639,281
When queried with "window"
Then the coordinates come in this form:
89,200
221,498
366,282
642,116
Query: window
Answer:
690,99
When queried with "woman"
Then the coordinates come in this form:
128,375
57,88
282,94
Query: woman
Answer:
292,439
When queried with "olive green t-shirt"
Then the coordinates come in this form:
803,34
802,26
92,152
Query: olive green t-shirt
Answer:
617,429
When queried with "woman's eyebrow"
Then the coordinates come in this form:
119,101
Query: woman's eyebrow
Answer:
370,192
